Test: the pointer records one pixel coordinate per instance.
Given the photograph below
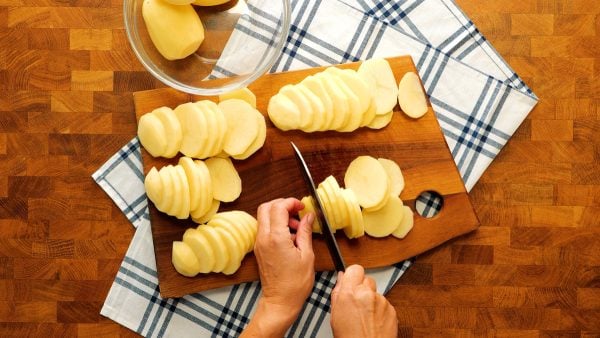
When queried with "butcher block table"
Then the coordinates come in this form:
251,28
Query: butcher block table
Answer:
532,269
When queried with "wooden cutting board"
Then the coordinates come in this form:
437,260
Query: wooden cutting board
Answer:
418,146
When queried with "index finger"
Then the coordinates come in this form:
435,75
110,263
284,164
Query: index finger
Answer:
280,213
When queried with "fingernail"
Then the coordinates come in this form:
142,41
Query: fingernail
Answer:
310,218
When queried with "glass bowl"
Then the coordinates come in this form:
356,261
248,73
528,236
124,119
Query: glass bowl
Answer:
242,41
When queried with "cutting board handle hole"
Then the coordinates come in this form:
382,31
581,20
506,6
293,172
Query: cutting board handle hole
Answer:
429,203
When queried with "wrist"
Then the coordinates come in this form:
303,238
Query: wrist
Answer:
271,319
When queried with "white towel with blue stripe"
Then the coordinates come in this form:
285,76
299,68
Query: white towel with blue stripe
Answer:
479,102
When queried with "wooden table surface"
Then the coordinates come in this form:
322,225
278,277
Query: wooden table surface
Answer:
531,270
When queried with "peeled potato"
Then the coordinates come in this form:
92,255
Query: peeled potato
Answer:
379,75
243,94
177,184
406,224
302,102
193,179
184,260
176,31
367,178
226,182
179,2
232,221
394,173
201,248
209,2
354,108
411,96
380,121
152,135
318,109
357,84
242,126
370,114
383,222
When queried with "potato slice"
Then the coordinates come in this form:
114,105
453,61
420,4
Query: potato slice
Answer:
316,87
357,85
243,94
201,248
379,75
242,126
217,243
333,191
175,31
369,115
247,220
172,130
236,253
177,191
205,196
152,135
330,212
341,106
234,221
357,226
381,121
193,178
194,127
318,109
309,206
394,173
210,111
153,186
383,222
214,208
283,112
302,102
184,259
258,143
406,225
182,211
354,111
168,192
369,181
226,182
411,96
223,223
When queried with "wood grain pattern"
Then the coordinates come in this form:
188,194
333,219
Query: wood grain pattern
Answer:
544,270
418,146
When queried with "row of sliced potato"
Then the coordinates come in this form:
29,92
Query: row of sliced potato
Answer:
220,245
203,129
193,187
369,204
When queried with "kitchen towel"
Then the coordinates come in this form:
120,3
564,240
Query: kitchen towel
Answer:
479,102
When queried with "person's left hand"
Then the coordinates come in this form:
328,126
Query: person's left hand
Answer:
285,264
285,260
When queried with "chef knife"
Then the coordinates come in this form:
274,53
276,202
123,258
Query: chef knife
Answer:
332,246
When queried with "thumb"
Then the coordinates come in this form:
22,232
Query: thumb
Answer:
304,233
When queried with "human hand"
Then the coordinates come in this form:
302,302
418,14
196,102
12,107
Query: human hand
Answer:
286,266
357,310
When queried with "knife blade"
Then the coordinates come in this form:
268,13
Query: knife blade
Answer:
332,246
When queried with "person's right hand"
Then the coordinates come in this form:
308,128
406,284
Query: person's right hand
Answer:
357,310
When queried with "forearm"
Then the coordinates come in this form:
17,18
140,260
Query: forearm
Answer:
270,320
